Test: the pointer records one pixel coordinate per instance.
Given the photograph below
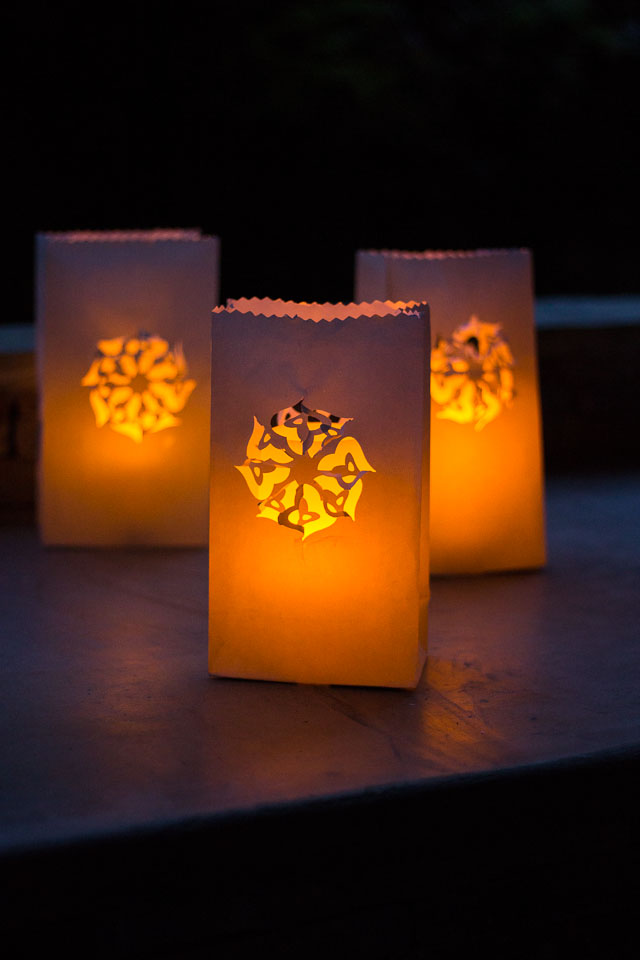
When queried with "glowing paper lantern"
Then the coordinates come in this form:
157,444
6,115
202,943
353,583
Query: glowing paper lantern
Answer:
319,492
138,385
123,354
486,454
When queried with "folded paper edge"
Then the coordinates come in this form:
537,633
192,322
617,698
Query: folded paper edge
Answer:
317,312
447,254
125,236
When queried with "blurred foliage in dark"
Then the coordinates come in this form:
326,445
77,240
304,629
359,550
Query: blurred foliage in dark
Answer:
302,130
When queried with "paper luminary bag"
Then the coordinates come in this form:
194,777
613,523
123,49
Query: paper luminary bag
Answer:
319,492
486,457
123,367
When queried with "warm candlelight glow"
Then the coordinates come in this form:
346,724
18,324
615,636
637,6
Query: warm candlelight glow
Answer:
486,452
123,355
138,384
303,471
472,374
328,405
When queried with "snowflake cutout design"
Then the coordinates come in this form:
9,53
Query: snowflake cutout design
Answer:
472,374
303,470
138,385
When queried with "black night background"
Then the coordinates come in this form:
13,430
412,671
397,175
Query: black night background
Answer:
300,131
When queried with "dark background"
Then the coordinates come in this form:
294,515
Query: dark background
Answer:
301,131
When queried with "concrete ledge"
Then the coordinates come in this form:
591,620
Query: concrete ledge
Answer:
533,863
581,312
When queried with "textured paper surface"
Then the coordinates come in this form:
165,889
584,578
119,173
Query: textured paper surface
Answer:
347,604
96,486
487,484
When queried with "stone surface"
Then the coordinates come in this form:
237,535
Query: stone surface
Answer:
150,813
109,720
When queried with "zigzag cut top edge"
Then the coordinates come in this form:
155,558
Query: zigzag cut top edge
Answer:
446,254
125,236
318,312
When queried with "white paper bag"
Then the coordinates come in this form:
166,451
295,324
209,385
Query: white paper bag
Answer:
486,451
319,492
123,369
